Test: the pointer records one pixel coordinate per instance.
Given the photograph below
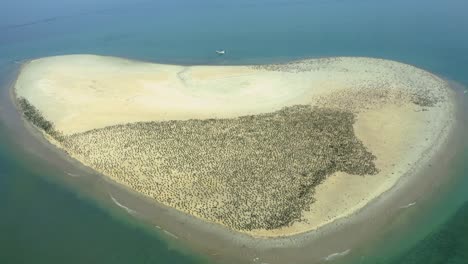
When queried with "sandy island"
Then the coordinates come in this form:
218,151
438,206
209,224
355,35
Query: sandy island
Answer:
267,150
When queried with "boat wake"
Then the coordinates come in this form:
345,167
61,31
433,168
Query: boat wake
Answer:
334,256
121,205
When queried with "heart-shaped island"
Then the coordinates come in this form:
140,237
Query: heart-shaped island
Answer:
268,150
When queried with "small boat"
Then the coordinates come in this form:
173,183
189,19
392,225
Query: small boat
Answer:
220,52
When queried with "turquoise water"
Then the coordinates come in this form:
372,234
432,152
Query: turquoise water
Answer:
45,221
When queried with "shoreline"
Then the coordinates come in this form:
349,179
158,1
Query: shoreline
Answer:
269,242
388,204
378,110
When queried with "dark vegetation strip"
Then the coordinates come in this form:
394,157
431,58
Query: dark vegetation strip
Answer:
33,115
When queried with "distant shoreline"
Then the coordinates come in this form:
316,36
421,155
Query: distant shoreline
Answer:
294,239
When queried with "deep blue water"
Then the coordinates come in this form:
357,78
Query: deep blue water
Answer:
42,221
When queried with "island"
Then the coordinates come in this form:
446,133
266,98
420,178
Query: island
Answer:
266,150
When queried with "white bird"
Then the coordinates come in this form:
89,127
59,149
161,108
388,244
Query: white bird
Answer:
220,52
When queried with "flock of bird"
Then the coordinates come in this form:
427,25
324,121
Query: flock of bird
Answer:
250,172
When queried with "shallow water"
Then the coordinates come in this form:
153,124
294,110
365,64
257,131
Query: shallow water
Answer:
45,220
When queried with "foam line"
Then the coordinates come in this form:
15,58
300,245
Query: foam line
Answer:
334,256
170,234
408,205
72,174
121,205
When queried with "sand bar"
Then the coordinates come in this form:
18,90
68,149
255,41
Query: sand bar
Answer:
399,113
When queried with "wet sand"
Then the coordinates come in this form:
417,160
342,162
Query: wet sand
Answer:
224,244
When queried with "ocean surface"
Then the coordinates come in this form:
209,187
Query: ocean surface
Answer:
43,220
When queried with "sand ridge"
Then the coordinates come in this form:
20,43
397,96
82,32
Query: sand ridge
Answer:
399,110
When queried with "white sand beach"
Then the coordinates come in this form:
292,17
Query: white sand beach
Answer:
401,114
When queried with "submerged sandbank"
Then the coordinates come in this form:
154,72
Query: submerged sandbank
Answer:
400,114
